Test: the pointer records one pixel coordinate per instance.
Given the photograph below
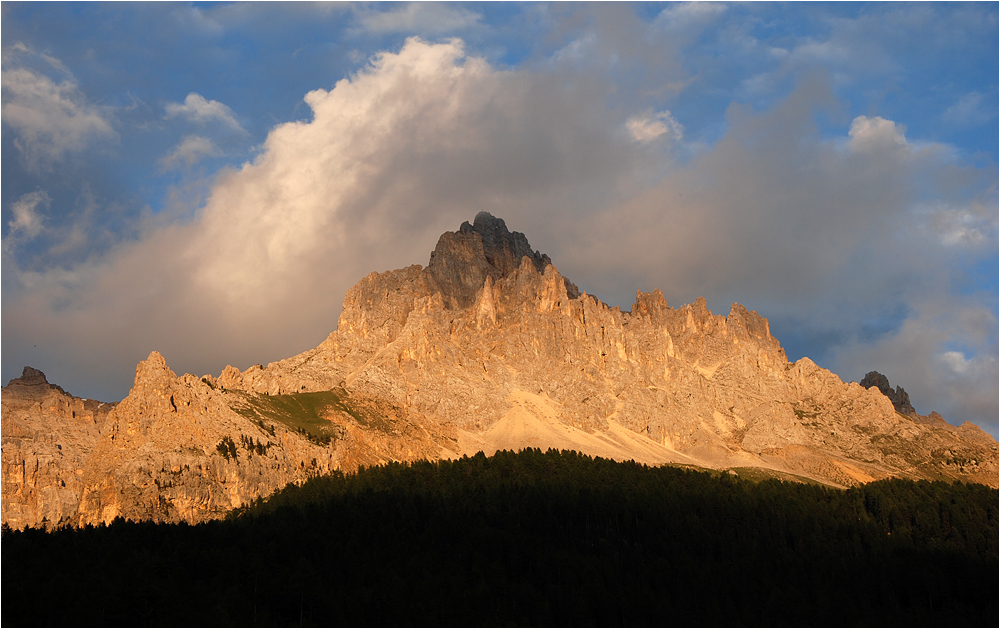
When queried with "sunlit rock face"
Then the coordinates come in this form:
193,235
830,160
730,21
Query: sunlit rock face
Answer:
489,347
47,437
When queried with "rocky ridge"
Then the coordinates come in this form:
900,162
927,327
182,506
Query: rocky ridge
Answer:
489,347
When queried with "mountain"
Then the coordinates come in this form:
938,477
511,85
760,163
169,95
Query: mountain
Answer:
48,436
489,347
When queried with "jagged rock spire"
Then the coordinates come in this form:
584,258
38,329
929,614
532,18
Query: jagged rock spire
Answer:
900,399
463,259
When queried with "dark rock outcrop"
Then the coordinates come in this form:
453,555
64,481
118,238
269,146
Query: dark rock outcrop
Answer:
463,259
31,377
899,398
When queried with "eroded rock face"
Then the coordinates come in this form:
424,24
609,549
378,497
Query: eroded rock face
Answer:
490,347
48,435
189,449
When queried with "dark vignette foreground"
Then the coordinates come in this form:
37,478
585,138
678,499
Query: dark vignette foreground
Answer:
530,539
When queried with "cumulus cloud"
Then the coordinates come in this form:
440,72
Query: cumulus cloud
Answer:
649,126
414,143
50,119
876,135
189,151
197,108
772,215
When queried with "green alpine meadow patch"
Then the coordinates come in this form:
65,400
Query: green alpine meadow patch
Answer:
306,413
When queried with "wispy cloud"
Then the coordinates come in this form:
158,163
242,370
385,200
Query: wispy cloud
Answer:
27,223
970,110
967,226
189,151
683,16
961,384
50,119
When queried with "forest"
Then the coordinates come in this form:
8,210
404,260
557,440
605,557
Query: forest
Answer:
530,538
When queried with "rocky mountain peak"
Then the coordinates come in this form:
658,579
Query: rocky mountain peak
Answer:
502,248
29,377
35,381
463,259
153,372
899,398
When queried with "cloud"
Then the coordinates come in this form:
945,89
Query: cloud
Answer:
189,151
961,384
649,126
970,110
968,226
199,109
876,135
425,18
842,250
50,119
27,223
956,361
683,16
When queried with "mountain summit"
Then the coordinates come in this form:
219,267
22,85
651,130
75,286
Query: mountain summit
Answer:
489,347
463,260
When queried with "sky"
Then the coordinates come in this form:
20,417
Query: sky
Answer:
208,180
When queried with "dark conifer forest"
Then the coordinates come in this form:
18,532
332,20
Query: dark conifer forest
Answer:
555,539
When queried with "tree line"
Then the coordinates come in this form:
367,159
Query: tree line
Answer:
530,538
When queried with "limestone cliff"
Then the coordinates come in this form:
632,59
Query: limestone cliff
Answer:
47,437
490,347
189,449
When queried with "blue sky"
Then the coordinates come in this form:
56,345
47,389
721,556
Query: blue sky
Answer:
208,180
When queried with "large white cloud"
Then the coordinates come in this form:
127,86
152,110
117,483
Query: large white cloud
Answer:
773,215
407,148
